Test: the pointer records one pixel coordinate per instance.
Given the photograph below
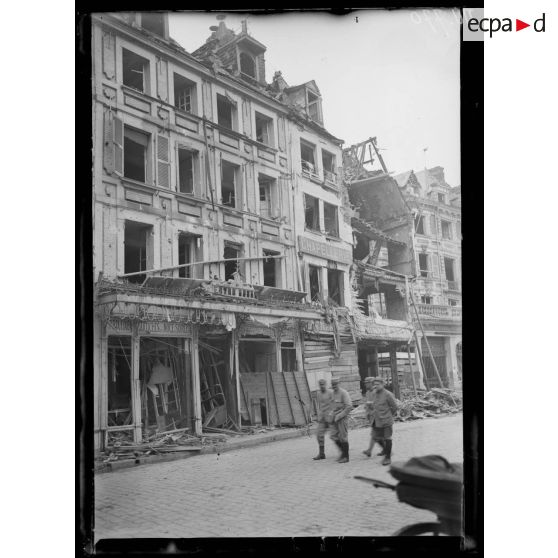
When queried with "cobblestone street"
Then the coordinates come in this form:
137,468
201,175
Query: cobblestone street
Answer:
271,490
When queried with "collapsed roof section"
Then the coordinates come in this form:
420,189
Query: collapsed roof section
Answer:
379,203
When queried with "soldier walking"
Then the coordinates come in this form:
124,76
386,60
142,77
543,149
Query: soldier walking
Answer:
342,406
325,416
381,407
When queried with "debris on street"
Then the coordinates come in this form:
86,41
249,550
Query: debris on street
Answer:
433,403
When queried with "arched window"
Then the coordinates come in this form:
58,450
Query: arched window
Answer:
247,65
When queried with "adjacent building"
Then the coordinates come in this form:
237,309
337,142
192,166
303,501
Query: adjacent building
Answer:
436,208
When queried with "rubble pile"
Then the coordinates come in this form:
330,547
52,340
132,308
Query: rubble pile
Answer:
120,445
431,403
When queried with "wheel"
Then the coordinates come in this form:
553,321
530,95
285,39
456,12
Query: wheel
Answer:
433,529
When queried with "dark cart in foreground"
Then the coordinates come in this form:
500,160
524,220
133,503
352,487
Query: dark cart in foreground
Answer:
430,483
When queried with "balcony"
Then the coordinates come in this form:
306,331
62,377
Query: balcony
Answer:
330,177
439,311
309,170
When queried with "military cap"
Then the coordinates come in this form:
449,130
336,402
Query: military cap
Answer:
322,381
334,380
378,379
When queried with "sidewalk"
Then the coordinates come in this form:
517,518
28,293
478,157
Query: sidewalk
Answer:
238,442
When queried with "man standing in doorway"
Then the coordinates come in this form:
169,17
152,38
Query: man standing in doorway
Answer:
325,416
342,406
381,406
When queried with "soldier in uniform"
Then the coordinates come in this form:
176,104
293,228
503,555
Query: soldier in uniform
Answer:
342,406
325,415
381,406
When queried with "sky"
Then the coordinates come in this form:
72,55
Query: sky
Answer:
393,75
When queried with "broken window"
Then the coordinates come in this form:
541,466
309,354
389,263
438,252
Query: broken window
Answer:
288,356
154,22
419,224
441,198
423,265
335,286
226,112
190,250
186,171
271,268
331,219
229,183
312,212
232,252
135,71
314,107
247,65
315,283
265,196
307,156
426,299
328,162
446,230
135,154
184,91
264,129
378,302
449,264
119,381
138,247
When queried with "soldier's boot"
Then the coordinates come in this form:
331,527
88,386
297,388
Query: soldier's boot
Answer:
345,456
368,452
383,444
321,454
340,446
387,458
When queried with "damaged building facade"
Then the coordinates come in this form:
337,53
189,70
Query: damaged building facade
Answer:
223,243
383,267
436,209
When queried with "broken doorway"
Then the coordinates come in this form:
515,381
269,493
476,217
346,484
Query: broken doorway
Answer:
119,387
217,382
166,384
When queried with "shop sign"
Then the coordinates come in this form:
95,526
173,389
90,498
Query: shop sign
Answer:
324,250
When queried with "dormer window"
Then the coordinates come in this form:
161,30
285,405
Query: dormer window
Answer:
154,22
313,106
247,65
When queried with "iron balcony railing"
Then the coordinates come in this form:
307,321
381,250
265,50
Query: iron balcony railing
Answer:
439,311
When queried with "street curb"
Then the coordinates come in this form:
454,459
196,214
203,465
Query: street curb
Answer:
247,442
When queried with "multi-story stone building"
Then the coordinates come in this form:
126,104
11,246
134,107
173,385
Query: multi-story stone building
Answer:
222,244
437,289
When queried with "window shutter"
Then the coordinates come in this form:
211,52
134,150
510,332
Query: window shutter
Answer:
433,225
109,55
118,128
163,164
435,265
281,134
162,89
108,142
284,195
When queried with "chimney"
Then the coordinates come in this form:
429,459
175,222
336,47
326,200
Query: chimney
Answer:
244,27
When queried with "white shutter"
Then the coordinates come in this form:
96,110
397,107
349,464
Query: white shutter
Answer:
163,162
118,143
435,265
433,225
